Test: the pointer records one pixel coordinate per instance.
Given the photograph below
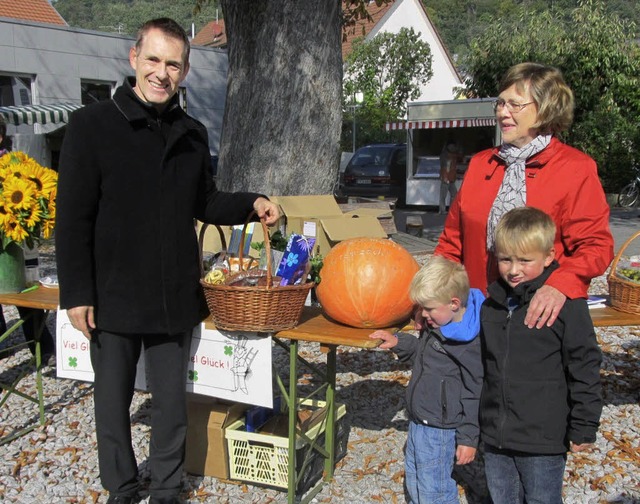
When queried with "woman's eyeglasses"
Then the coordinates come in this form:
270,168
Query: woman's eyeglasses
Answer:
512,107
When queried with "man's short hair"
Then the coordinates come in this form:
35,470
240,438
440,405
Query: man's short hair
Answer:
440,280
549,91
170,28
525,230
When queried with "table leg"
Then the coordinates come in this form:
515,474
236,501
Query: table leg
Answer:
293,411
37,359
330,435
38,337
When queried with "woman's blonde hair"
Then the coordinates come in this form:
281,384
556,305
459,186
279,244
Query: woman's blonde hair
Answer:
549,91
440,280
525,230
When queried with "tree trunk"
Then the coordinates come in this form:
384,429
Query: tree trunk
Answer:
282,118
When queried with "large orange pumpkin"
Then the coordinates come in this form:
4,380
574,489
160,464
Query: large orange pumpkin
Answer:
364,282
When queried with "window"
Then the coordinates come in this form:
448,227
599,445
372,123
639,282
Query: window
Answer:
95,91
15,90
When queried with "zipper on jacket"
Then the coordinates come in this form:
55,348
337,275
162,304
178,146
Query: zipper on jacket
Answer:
443,400
503,378
415,379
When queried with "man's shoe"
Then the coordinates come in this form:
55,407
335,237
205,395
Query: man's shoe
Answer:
166,500
121,499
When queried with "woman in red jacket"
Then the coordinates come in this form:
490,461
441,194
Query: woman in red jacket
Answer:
533,168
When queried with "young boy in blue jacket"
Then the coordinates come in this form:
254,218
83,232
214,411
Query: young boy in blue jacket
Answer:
444,391
541,394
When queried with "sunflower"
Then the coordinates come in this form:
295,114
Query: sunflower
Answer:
18,193
47,228
15,231
15,158
5,213
31,219
44,179
27,199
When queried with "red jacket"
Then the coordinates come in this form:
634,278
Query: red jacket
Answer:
561,181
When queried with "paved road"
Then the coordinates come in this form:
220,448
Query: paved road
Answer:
624,223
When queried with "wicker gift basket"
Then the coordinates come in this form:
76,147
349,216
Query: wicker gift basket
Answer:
263,307
624,293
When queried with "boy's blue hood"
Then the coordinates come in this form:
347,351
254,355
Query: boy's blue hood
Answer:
469,327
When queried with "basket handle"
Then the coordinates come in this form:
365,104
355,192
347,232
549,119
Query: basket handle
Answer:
223,241
614,264
267,245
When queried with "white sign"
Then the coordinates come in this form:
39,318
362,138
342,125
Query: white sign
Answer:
73,359
231,365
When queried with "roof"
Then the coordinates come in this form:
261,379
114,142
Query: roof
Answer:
40,11
363,27
212,35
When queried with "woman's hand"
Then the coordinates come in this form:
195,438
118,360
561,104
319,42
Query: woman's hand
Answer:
544,307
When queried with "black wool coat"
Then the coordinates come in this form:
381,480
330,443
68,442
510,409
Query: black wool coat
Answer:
131,182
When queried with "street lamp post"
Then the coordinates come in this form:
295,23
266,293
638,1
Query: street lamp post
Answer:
358,98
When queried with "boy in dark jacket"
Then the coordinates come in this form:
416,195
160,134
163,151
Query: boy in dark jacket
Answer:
541,394
444,390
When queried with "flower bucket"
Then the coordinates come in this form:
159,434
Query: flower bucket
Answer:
12,273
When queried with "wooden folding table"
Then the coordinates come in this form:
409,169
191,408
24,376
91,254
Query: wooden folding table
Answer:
42,298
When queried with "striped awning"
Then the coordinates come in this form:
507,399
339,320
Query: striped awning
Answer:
457,123
38,114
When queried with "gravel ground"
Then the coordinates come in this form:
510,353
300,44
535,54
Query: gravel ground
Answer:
57,463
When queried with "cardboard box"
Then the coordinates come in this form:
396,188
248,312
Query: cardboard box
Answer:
320,217
206,450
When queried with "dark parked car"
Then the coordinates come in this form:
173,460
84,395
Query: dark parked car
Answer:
377,170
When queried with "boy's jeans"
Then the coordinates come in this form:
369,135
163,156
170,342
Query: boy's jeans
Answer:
428,465
515,476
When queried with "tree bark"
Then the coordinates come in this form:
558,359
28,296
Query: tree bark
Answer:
282,119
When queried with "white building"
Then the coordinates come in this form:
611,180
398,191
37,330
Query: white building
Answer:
391,18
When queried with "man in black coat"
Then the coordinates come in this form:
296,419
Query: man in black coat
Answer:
135,172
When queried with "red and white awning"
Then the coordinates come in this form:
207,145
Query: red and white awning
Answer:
458,123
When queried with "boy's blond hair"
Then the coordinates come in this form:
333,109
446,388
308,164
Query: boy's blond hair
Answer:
525,230
440,280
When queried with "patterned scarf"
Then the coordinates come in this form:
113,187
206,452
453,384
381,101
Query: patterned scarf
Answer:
513,190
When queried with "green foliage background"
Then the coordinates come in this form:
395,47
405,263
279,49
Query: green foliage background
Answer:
389,71
600,59
125,16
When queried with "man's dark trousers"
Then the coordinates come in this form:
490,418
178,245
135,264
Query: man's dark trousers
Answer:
114,358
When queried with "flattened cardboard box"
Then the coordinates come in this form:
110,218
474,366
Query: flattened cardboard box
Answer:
320,217
206,449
